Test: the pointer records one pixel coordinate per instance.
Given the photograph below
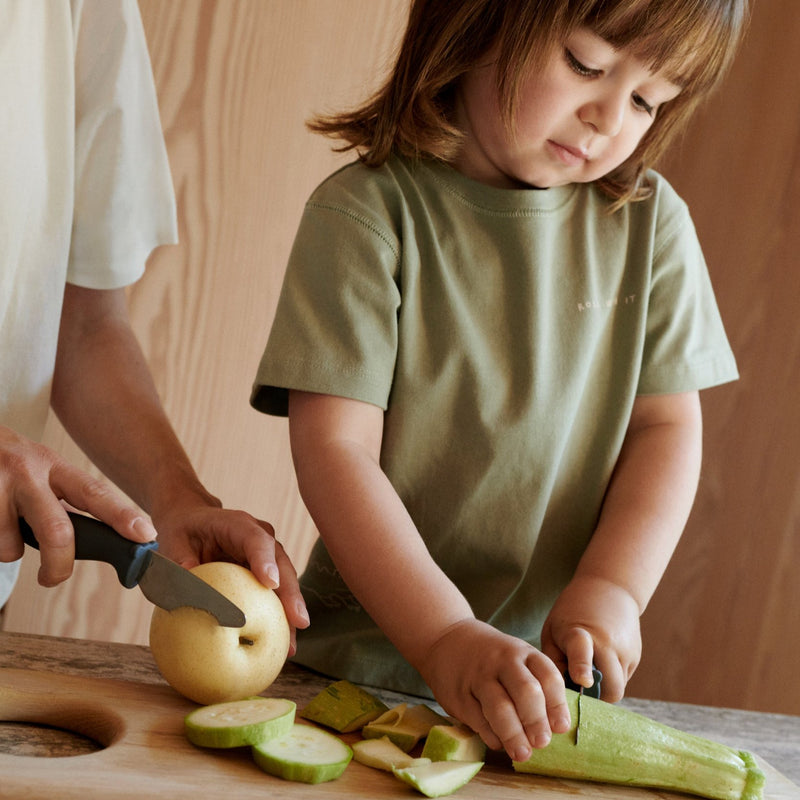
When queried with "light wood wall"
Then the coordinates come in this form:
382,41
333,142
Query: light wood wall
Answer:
724,627
236,80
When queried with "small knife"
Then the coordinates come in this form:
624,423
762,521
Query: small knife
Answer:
163,582
592,691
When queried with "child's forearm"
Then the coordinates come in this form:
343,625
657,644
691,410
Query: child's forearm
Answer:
365,526
649,497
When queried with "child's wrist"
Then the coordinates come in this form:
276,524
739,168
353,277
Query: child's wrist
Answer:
624,591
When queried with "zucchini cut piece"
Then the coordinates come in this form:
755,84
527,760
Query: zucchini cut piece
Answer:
305,754
239,723
344,707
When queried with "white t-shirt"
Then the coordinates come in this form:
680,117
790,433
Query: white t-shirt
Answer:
85,188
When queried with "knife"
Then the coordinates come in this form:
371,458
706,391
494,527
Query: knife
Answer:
592,691
163,582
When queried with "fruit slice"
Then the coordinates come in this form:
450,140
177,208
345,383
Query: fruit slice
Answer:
439,777
305,754
620,746
404,725
453,743
384,754
344,707
239,722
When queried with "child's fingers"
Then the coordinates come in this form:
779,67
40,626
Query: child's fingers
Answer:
530,706
550,680
518,728
614,678
579,648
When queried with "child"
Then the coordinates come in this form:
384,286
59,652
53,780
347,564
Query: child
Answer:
489,343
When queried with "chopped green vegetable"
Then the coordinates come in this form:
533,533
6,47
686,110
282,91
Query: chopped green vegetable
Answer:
239,722
383,754
453,743
344,707
439,778
404,725
305,754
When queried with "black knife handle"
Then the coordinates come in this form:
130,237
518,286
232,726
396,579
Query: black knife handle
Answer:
593,690
96,541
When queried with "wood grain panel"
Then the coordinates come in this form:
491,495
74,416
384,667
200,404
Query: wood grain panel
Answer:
724,627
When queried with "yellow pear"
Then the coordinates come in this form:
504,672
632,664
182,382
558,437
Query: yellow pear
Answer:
209,663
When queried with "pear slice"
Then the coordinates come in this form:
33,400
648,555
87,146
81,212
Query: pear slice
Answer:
439,777
384,754
453,743
404,725
305,754
240,722
344,707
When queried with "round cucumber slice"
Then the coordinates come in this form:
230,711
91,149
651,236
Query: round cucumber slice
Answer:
305,754
240,722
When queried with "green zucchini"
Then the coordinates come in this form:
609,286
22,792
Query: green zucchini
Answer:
620,746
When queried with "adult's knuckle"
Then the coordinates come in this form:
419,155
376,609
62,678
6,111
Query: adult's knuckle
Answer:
93,489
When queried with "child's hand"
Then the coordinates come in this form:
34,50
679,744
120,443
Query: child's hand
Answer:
508,692
595,620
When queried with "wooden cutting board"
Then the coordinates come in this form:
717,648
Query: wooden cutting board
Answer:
147,755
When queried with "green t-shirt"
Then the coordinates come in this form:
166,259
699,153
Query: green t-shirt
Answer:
506,333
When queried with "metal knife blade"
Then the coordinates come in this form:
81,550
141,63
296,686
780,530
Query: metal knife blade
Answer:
592,691
163,582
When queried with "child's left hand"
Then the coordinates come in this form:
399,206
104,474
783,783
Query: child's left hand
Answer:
595,621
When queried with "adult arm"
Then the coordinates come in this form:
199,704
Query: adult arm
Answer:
512,696
105,396
644,513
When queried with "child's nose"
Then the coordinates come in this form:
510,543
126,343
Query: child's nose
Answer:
605,114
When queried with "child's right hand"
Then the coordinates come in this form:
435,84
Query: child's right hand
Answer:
507,691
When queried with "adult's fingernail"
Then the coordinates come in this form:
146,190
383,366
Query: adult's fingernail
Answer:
273,576
302,613
143,529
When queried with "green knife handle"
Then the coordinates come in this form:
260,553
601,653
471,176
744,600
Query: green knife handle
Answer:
96,541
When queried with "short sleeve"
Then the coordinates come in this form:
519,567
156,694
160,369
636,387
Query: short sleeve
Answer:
124,201
686,347
335,329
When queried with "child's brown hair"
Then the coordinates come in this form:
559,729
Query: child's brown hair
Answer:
693,41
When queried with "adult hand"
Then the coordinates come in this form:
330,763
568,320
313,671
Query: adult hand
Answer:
595,620
34,481
205,532
508,692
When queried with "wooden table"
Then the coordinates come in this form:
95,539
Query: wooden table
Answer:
774,737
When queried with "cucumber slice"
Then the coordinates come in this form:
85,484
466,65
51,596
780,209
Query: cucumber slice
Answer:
305,754
383,754
344,707
239,722
453,743
439,777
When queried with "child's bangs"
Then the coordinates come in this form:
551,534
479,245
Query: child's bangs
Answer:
691,41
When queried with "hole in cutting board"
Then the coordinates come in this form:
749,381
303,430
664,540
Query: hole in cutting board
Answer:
70,729
43,741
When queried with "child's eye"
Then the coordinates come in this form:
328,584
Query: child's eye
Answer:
579,68
641,103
